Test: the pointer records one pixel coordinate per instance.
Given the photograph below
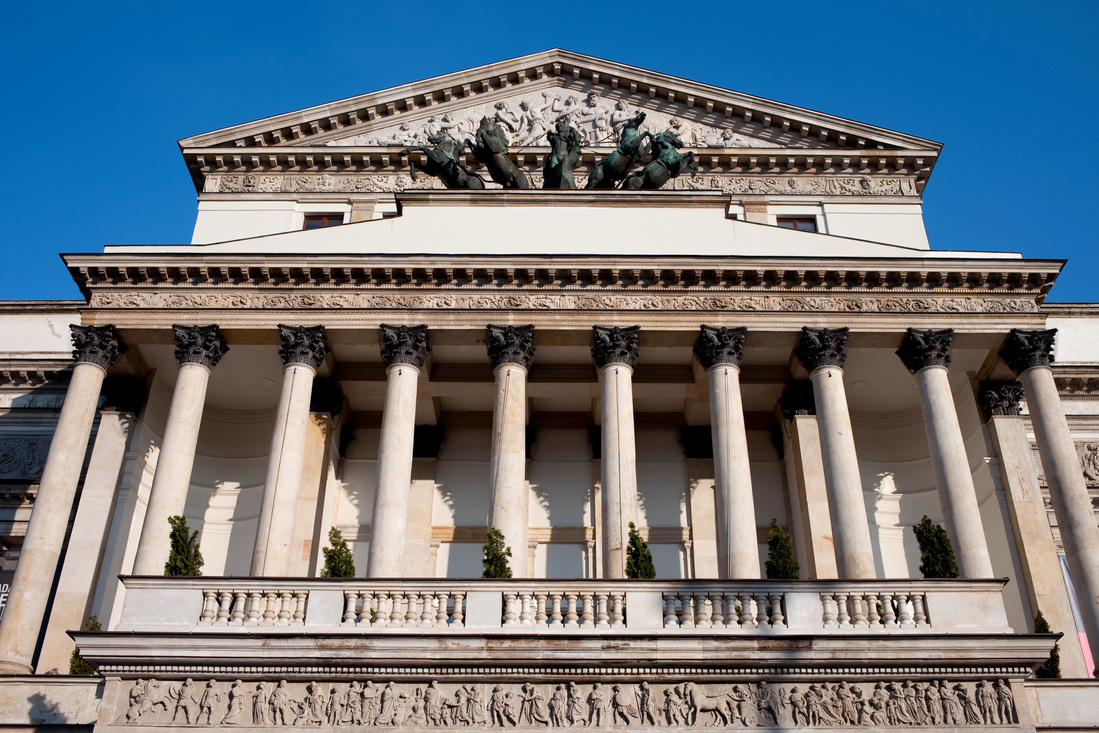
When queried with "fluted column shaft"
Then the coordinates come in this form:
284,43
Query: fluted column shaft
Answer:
198,349
97,348
404,349
1030,354
615,352
303,350
823,352
511,350
927,354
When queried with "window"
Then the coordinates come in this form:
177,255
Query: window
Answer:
801,223
320,221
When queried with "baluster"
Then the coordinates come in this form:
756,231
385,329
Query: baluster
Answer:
351,601
526,618
286,608
717,617
572,619
889,617
412,610
618,618
732,618
225,603
299,607
903,612
457,618
702,614
368,606
587,615
841,606
209,607
254,598
747,618
873,619
859,619
540,615
671,619
828,613
270,609
778,620
509,609
427,610
441,614
238,608
686,613
381,618
920,614
763,617
601,616
555,611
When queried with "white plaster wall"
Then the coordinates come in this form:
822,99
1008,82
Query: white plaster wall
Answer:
356,478
1077,339
560,477
900,224
461,480
224,221
43,334
459,560
661,479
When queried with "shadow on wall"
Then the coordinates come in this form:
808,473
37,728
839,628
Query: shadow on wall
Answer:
44,712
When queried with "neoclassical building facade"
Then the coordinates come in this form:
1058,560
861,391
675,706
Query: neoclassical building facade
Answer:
414,343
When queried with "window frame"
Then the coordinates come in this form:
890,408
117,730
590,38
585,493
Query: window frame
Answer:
782,221
324,218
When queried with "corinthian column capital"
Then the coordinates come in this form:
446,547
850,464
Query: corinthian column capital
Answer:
1025,349
615,345
720,346
819,347
510,345
922,349
199,345
405,345
303,345
99,345
1000,398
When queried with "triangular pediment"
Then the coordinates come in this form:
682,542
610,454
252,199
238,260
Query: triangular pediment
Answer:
528,92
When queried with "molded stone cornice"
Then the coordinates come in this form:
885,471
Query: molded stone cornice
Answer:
1000,398
613,345
303,345
405,345
199,345
1026,349
798,399
926,348
510,345
819,347
98,345
720,346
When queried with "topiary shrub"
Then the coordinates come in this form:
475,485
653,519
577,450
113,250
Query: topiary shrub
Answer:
338,560
639,560
77,664
1052,668
936,554
184,559
781,564
495,555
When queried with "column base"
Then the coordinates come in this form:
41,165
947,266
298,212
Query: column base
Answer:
11,666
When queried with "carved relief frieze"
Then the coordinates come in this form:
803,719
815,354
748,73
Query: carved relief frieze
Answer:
1089,461
604,705
564,301
23,457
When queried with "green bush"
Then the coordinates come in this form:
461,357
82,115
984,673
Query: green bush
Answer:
639,560
338,560
495,555
936,554
184,559
77,665
1052,668
781,564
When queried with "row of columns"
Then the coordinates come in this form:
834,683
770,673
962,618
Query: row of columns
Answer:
405,350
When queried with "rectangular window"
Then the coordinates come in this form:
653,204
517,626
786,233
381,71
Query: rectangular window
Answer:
320,221
801,223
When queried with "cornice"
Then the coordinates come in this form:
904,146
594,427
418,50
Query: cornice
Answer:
22,373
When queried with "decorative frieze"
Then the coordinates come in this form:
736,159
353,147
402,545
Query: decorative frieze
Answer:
1000,398
611,704
819,347
614,345
23,457
199,345
303,345
510,345
405,345
98,345
1026,349
720,346
924,348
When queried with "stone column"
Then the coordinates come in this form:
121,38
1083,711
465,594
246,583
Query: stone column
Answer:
1030,354
198,349
823,352
404,349
719,351
806,477
615,353
927,354
95,349
303,351
511,350
1041,571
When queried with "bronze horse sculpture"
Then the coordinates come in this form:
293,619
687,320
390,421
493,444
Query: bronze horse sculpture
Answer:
490,146
442,162
617,165
564,142
666,164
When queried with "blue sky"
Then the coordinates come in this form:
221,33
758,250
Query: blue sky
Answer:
98,94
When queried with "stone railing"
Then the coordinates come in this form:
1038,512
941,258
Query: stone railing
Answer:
452,606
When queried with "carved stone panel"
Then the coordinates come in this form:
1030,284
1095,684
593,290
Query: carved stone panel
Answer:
22,458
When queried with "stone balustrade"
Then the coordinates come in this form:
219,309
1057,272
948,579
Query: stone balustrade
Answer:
454,606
